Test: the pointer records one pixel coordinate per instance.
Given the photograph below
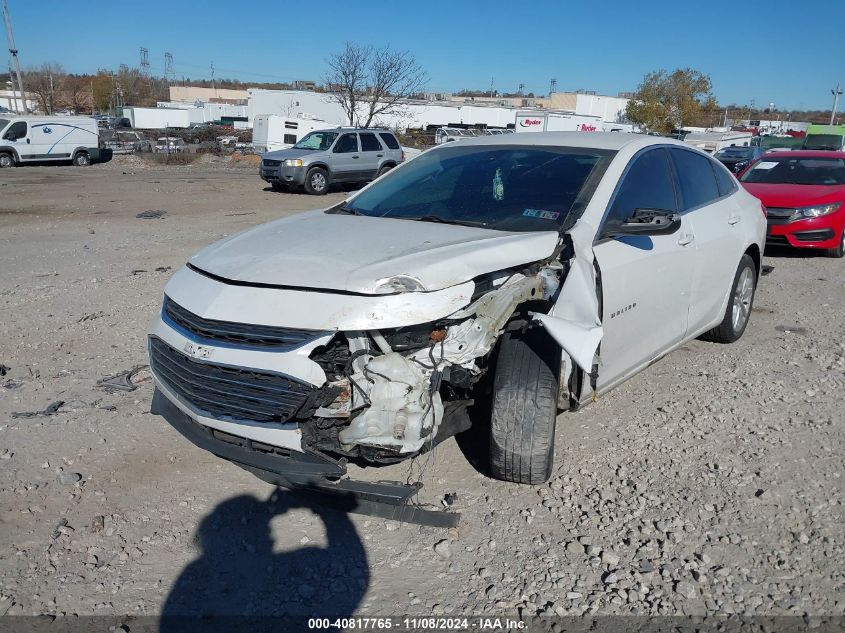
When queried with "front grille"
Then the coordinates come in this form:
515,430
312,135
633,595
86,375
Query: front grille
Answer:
225,392
271,163
777,240
239,334
776,216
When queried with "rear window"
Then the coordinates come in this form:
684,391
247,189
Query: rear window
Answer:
797,171
832,142
389,140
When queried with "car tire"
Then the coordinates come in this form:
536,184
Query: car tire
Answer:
384,170
838,251
741,301
6,160
81,159
524,408
317,181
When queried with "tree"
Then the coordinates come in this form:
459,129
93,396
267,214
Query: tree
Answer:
43,83
665,101
368,82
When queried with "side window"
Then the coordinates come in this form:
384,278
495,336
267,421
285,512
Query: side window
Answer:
16,130
647,185
346,144
289,138
390,140
724,181
696,178
369,143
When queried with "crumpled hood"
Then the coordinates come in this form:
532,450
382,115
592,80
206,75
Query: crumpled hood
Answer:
284,154
791,196
351,253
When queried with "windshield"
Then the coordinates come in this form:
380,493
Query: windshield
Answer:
734,152
797,171
317,140
505,188
823,141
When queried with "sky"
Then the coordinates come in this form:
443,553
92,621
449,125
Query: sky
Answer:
789,53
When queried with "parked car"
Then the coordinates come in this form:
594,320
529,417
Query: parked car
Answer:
170,145
125,142
27,139
736,159
526,272
323,157
804,195
825,137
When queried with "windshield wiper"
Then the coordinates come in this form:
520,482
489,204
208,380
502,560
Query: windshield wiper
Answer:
438,219
344,210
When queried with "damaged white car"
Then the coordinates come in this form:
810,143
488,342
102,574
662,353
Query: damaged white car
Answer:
522,274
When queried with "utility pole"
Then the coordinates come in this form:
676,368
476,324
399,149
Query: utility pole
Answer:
169,75
836,92
14,53
491,87
213,87
145,62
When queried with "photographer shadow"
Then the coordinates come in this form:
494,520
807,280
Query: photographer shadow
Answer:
239,583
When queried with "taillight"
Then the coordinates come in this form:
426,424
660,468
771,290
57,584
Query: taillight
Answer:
403,155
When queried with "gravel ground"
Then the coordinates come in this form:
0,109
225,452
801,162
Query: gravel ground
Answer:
710,483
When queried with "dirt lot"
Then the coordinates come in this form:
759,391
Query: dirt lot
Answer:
710,483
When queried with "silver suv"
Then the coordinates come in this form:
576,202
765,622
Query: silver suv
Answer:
323,157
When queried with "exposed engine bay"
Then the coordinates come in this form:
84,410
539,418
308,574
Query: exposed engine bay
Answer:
389,392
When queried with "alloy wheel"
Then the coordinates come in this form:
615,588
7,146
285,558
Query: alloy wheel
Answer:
743,295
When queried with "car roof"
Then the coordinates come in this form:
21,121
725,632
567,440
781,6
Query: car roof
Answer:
353,129
595,140
806,153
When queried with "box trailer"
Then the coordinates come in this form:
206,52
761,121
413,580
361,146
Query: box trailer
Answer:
534,121
712,142
272,131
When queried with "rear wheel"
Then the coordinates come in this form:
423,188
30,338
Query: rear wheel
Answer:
524,408
384,170
6,160
81,159
838,251
739,306
317,181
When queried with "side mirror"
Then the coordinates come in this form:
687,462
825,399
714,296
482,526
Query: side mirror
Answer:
648,222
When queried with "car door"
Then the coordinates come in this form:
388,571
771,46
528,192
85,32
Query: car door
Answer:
645,281
714,218
17,136
372,154
346,157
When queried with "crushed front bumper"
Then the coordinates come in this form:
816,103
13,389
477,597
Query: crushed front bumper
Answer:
309,470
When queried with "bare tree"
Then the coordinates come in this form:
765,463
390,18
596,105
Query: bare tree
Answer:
368,82
43,83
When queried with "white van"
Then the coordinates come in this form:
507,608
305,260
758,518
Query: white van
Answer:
26,139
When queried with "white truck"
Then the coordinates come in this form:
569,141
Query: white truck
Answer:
271,131
535,121
29,139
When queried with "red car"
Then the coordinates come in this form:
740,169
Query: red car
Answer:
804,195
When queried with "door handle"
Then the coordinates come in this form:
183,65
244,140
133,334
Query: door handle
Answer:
685,239
380,155
27,141
734,219
354,157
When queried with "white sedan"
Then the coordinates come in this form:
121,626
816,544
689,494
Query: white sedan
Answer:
518,275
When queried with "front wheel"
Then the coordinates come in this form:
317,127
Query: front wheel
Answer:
524,408
838,251
6,160
739,307
317,181
82,159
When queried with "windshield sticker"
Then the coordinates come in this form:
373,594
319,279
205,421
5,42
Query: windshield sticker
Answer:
498,186
765,164
540,213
